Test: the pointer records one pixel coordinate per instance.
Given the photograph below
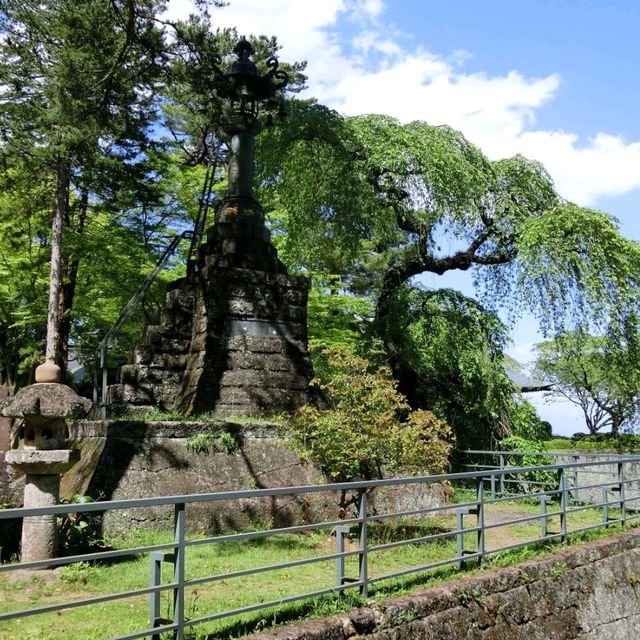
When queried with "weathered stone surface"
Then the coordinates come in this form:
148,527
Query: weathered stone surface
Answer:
40,533
48,372
591,592
239,322
121,459
47,400
37,461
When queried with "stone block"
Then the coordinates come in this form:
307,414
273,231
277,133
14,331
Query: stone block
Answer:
166,394
134,394
142,354
171,362
174,346
129,373
38,462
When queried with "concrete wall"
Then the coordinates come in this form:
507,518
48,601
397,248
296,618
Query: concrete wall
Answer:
606,473
590,592
121,460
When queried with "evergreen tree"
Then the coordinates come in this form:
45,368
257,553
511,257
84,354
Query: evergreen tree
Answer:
77,89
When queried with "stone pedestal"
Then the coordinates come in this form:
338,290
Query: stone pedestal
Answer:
43,459
41,489
243,349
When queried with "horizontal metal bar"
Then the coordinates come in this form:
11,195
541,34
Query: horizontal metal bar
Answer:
87,557
147,633
284,491
506,523
591,505
51,608
272,603
426,567
271,567
422,539
600,485
266,533
556,454
524,543
417,512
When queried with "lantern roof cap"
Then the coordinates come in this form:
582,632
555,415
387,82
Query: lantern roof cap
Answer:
47,399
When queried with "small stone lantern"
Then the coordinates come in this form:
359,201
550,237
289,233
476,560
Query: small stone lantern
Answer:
44,456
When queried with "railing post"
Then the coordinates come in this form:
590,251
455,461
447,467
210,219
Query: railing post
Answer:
501,475
460,535
576,495
605,506
493,486
179,569
341,531
363,555
564,501
621,489
544,520
480,518
155,613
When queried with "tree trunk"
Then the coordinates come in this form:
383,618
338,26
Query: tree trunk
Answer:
68,290
55,309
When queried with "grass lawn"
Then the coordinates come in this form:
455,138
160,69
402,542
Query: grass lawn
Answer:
111,619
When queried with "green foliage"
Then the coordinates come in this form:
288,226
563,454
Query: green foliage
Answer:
80,532
337,319
448,355
600,374
624,443
78,573
528,455
368,426
375,202
525,421
558,444
209,441
573,263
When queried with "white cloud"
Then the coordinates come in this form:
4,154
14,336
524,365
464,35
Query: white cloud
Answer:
382,75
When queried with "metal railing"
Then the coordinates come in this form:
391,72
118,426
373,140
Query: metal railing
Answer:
100,377
496,459
554,520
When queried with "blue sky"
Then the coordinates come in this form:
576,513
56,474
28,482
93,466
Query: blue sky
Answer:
555,80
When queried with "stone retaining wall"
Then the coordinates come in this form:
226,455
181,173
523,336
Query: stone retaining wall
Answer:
589,592
606,473
129,459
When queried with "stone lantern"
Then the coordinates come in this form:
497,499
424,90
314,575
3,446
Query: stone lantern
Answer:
43,457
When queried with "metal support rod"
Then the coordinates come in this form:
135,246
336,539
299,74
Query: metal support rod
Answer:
105,373
501,475
179,569
155,572
341,531
621,490
480,518
544,520
575,478
564,502
493,486
605,506
363,556
460,514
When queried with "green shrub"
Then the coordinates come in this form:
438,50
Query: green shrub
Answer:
368,425
557,444
527,454
79,532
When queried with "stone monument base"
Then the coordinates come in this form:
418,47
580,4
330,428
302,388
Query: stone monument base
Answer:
232,339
